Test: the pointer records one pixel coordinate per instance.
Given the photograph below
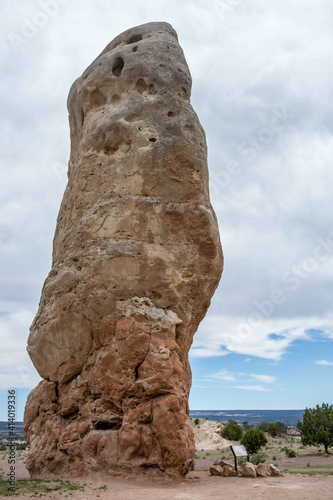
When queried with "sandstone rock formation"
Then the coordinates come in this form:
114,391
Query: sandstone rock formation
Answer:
136,260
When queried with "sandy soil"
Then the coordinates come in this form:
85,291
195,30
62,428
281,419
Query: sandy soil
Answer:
202,486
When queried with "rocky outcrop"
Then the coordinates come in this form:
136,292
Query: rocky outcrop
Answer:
136,260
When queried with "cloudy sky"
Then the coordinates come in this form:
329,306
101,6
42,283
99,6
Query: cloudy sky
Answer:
262,87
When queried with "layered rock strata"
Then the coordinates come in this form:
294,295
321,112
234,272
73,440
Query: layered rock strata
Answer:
136,260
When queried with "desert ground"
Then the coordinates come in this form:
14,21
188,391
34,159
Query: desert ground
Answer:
308,476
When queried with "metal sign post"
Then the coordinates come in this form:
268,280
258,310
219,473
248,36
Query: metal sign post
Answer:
239,451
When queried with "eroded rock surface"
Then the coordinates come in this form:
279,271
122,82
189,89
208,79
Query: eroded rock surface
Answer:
136,260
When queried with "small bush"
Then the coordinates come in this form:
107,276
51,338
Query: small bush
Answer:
253,440
272,430
290,453
274,457
232,431
258,458
197,421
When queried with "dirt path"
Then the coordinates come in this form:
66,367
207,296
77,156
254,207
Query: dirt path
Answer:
202,486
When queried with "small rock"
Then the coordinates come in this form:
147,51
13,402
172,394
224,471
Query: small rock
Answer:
216,470
263,470
248,469
229,471
222,463
274,471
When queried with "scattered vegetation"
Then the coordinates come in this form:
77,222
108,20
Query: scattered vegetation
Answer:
258,458
39,487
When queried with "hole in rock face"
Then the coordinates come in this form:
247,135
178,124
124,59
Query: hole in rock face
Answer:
135,49
115,98
118,66
151,89
171,113
148,421
134,39
106,426
152,139
141,86
81,117
72,414
97,98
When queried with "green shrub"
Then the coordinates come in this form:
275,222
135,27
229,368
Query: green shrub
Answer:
253,440
197,421
282,428
232,431
274,457
258,458
263,426
272,430
290,453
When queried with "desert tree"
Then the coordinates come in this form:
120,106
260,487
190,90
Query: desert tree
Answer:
317,426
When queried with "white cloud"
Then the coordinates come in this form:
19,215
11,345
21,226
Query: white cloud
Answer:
241,376
267,379
222,375
323,362
252,388
270,339
206,352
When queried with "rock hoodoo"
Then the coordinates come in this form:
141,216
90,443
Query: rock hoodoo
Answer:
136,260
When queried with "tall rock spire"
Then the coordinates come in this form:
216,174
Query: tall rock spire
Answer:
136,260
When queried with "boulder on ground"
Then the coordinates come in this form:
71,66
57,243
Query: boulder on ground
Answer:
263,470
228,469
216,470
248,469
223,469
274,471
